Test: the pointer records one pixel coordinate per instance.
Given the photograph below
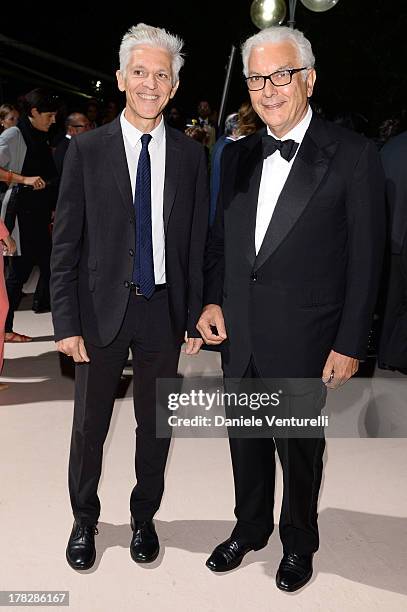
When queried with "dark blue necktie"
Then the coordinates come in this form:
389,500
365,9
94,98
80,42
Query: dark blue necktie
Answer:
144,268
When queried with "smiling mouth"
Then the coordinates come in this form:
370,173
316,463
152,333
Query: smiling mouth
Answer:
147,97
274,106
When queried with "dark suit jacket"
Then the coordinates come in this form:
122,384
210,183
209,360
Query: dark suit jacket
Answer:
393,342
313,284
94,235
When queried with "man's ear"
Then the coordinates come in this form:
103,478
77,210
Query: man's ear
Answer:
34,112
121,81
311,78
174,90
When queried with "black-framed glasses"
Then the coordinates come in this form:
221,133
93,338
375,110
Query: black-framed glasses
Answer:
278,78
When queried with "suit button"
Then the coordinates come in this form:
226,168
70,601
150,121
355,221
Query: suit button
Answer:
126,284
131,252
253,277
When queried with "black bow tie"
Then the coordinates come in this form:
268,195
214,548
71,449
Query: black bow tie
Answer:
287,148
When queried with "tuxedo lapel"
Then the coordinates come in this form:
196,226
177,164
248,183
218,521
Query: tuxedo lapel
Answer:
306,174
172,164
116,155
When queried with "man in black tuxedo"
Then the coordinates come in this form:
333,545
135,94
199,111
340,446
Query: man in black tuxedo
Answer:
292,272
129,240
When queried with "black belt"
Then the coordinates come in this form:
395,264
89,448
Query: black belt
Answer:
135,288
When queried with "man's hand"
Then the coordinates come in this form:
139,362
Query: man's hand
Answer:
212,317
338,369
193,345
9,246
73,347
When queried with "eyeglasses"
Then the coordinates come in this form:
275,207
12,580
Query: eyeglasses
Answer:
278,79
81,125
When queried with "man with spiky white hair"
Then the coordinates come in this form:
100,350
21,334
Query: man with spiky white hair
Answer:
293,268
128,246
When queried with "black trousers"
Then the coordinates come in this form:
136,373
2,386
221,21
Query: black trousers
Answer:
18,273
146,329
253,462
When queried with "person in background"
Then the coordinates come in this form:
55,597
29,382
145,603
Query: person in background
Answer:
214,117
110,112
237,126
204,113
7,247
8,116
248,120
388,129
199,134
93,113
230,135
14,178
75,123
176,118
26,157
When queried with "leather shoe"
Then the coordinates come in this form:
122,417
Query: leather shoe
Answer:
229,554
144,545
294,571
81,552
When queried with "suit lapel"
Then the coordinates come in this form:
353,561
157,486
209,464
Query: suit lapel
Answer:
172,163
306,174
116,155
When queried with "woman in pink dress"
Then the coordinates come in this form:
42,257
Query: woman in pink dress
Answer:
8,247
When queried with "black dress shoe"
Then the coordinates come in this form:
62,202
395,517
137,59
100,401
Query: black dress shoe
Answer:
144,545
229,554
294,571
81,552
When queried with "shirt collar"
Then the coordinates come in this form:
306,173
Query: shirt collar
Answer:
134,135
298,131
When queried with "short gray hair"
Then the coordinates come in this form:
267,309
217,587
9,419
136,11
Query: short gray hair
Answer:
278,34
143,34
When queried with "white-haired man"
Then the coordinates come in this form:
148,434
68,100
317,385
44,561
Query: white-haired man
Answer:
292,273
127,257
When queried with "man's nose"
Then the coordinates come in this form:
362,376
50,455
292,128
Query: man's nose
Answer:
269,89
150,81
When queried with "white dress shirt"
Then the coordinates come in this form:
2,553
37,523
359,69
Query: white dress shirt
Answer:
274,175
156,148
